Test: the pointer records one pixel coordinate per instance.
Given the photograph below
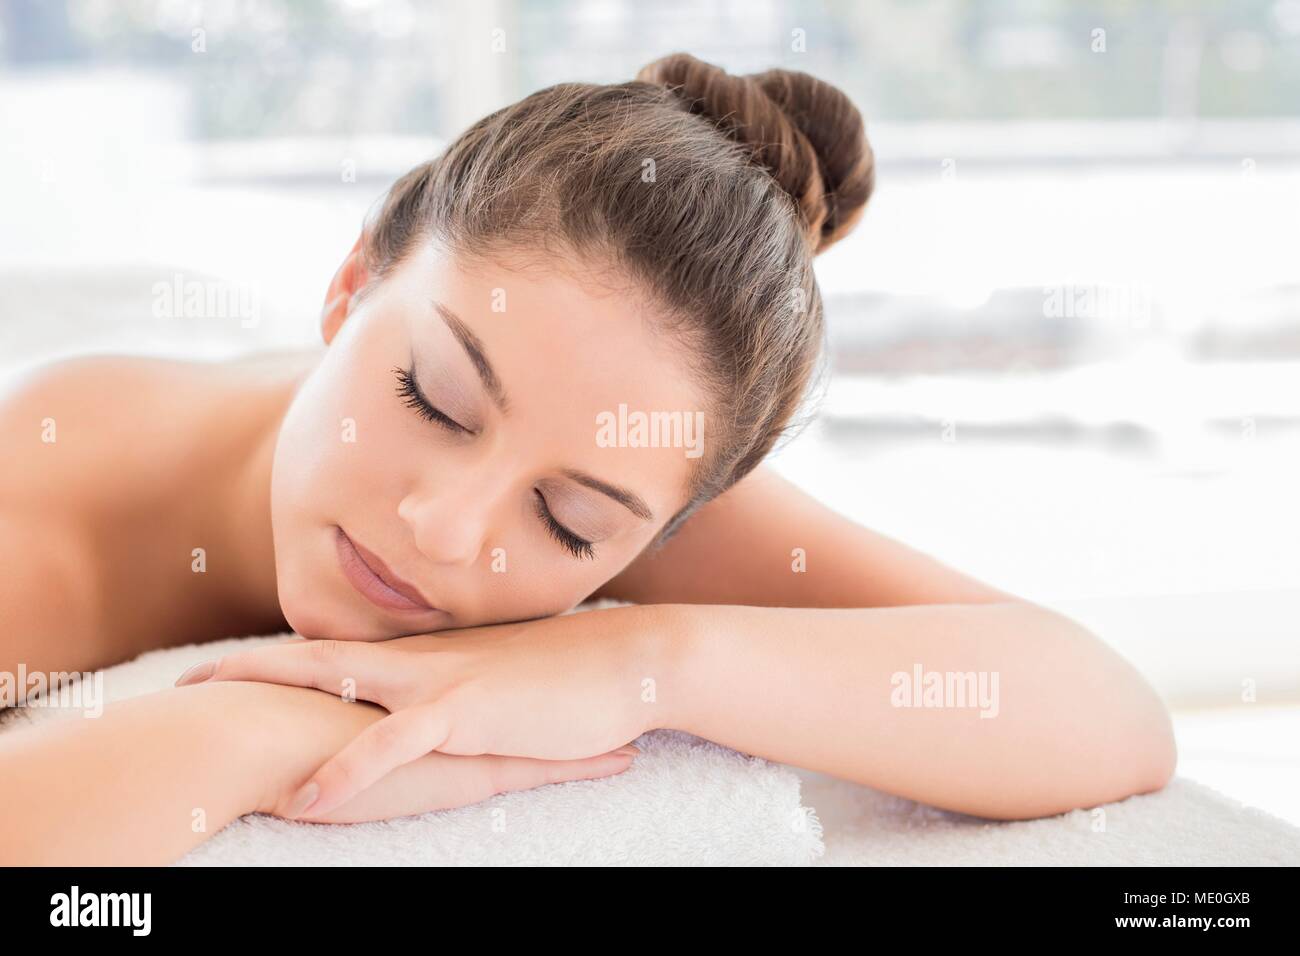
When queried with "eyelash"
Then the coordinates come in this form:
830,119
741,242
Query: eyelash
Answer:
580,548
413,398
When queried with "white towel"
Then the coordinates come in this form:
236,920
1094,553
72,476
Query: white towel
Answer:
1185,824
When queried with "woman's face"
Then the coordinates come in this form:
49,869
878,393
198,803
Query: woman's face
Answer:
444,465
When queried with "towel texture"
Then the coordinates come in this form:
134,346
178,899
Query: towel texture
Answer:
1185,824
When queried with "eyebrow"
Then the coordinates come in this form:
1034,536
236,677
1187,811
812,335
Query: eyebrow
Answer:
628,499
473,347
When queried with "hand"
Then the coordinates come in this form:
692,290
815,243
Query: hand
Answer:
562,688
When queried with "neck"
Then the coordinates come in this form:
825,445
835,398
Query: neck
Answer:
247,512
240,519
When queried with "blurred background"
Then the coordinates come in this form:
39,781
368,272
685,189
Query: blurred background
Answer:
1065,339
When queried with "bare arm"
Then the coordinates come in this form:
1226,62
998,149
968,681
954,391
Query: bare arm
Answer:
1070,724
156,775
804,672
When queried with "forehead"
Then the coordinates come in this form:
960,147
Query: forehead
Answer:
574,353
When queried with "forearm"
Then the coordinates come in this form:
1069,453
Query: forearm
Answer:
156,775
1071,723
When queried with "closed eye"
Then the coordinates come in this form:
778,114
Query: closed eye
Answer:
578,547
412,397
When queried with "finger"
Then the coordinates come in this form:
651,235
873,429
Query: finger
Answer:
440,781
379,749
525,773
356,670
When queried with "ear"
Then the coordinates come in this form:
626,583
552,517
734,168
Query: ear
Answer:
350,278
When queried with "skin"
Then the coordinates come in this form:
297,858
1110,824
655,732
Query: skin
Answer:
434,503
153,458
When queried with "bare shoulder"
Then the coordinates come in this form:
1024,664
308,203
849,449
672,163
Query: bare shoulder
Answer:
84,421
92,445
767,542
74,434
92,426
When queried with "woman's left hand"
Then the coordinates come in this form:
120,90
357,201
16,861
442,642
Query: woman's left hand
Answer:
560,688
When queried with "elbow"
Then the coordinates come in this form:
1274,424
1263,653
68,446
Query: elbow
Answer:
1140,743
1159,755
1132,754
1131,748
1144,763
1139,757
1136,755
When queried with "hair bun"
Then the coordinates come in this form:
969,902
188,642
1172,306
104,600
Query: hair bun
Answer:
805,131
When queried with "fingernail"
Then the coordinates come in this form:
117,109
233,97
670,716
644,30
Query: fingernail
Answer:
197,673
303,800
629,750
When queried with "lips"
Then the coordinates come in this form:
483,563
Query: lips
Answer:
369,575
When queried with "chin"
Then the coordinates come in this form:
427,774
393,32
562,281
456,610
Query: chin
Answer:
305,621
308,620
309,601
310,612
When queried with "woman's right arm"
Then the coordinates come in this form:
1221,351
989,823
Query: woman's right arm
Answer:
154,776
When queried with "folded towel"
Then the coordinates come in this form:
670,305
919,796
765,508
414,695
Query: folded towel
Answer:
684,801
1185,824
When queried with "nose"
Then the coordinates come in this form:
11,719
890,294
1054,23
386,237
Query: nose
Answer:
450,523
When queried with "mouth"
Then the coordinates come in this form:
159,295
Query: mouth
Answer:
370,576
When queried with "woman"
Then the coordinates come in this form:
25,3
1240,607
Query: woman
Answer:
468,458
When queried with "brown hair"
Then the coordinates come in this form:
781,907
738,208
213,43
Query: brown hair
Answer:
711,192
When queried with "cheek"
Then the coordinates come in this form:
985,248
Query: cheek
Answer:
523,574
546,589
339,445
342,436
333,459
542,579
